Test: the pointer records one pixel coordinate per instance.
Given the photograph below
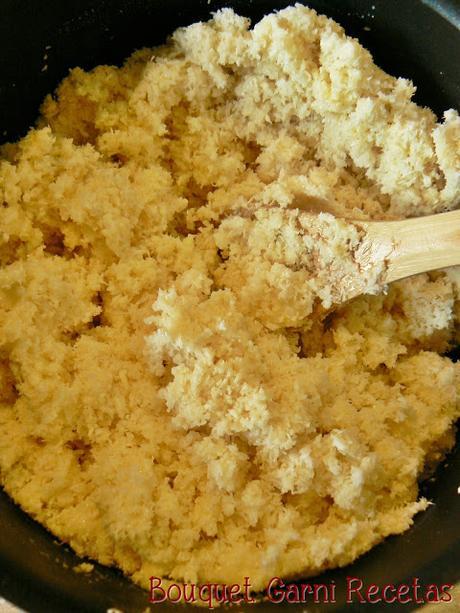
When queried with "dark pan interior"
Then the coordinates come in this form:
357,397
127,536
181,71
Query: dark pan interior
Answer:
410,38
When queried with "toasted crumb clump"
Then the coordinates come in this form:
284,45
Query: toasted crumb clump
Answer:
84,567
175,397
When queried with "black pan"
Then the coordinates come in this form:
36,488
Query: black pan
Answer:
419,39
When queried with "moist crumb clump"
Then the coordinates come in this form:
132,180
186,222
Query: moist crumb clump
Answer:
176,399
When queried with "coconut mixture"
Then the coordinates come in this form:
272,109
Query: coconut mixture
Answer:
176,396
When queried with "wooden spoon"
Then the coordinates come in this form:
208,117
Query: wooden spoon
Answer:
387,250
406,247
410,246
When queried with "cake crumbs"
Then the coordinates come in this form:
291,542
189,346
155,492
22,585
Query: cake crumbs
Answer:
177,399
84,567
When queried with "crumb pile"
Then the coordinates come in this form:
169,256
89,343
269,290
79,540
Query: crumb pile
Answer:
233,428
323,250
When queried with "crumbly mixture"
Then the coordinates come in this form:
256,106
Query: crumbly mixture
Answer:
175,397
324,251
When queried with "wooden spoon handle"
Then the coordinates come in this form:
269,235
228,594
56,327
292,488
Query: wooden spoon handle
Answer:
412,246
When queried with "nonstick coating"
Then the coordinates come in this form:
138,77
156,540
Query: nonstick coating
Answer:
39,42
